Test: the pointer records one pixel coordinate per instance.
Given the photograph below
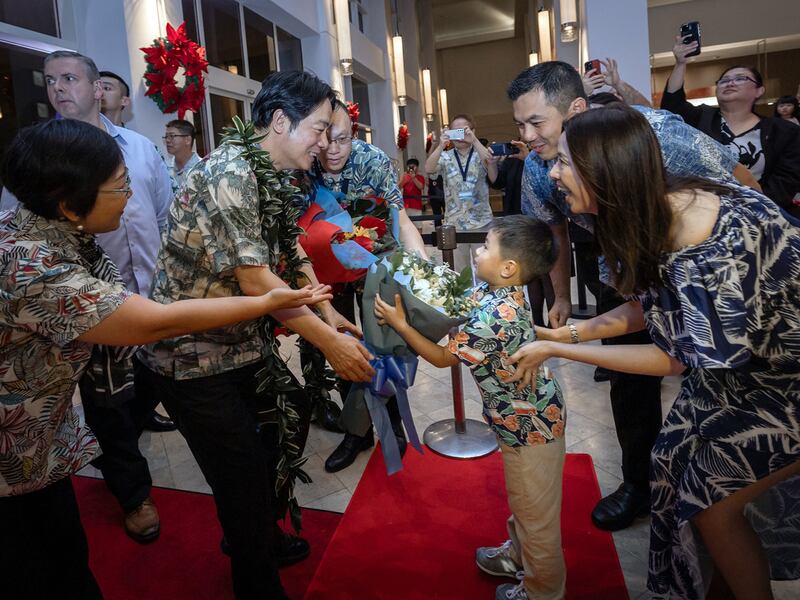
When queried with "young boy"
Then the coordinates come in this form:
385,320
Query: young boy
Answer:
529,423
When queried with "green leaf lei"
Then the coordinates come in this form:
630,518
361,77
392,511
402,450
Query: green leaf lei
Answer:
279,216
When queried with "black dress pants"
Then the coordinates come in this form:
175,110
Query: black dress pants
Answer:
43,552
117,428
218,416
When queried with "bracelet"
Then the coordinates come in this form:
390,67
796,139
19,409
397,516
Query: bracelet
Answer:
573,333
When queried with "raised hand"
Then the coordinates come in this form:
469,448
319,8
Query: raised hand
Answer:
680,50
612,72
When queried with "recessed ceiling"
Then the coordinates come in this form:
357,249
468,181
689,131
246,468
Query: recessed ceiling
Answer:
461,22
732,50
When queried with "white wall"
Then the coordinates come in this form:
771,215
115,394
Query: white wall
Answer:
619,30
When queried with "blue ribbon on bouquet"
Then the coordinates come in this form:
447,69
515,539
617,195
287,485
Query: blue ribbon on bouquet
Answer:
393,376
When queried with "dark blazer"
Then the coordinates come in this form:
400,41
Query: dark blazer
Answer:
780,141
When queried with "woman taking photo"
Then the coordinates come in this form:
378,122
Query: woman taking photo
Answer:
768,146
62,305
713,272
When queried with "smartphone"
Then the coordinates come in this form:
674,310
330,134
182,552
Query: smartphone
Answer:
506,149
455,134
592,64
690,32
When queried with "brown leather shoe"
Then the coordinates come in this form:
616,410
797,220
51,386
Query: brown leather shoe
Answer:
142,524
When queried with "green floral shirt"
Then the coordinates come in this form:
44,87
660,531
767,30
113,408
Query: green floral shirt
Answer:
496,329
214,226
48,299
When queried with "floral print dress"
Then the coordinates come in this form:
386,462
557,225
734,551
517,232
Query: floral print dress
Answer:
730,310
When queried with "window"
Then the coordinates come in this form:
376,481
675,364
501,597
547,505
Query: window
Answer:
36,15
23,95
223,109
290,51
223,35
190,18
260,35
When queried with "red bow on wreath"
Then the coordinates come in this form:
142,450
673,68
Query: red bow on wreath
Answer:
402,136
164,57
354,112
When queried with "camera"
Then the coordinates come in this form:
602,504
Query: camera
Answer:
503,149
455,134
690,32
592,64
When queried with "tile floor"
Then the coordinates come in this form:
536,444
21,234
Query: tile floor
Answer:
590,429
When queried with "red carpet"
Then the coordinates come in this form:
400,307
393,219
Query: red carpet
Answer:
185,562
413,535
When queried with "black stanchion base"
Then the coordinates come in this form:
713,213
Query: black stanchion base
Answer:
587,312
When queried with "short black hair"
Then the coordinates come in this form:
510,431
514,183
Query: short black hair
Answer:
182,125
527,241
603,99
296,93
91,68
559,81
113,75
62,160
412,161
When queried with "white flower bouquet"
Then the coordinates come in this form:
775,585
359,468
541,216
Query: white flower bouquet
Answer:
435,298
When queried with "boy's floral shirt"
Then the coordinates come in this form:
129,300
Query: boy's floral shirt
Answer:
496,329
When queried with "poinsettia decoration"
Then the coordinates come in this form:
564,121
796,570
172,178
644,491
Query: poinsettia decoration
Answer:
402,136
428,143
164,57
354,112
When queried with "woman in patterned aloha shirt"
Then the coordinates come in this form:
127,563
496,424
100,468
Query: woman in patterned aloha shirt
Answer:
713,271
62,305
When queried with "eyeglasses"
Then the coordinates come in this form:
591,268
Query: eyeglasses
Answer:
126,190
342,141
172,136
738,80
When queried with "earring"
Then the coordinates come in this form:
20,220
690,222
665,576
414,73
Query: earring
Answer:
79,228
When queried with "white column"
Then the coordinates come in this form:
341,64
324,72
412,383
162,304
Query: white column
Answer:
618,30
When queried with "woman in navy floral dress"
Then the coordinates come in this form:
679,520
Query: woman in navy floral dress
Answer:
713,272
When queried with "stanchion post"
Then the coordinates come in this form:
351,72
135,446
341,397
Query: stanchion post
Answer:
446,242
458,437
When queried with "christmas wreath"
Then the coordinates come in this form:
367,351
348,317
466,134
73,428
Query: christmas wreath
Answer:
164,57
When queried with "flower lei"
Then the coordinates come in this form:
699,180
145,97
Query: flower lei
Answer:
279,216
163,57
402,136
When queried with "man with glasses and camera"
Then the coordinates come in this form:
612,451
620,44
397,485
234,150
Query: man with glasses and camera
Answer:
768,146
359,170
179,141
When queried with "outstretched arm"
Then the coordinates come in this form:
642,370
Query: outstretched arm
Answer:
630,94
395,317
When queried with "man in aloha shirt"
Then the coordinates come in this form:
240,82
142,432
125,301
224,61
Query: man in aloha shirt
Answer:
359,170
214,246
545,96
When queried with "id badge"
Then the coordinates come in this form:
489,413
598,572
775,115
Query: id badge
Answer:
463,196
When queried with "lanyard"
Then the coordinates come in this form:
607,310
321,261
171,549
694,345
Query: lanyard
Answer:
463,169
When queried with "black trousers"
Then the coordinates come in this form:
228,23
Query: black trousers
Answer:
43,553
218,417
344,303
635,399
117,429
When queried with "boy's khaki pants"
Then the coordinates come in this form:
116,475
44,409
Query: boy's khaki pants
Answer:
533,481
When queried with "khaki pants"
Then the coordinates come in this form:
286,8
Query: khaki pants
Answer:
533,481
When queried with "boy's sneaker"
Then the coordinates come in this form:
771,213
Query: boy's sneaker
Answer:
509,591
497,561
